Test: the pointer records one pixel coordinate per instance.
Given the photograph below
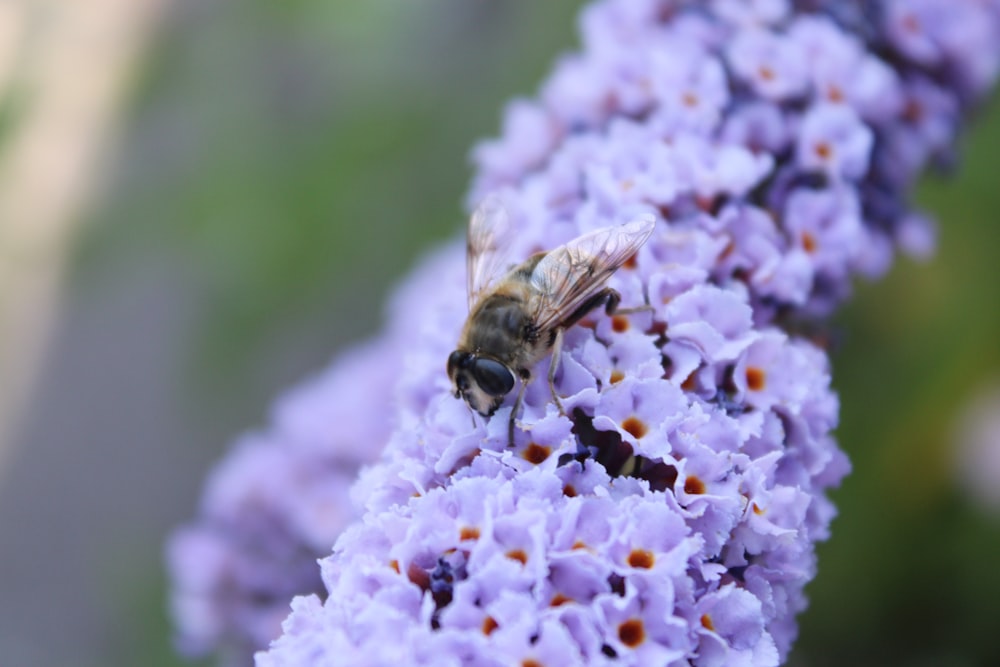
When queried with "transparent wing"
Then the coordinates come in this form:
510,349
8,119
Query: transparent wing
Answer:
488,240
569,275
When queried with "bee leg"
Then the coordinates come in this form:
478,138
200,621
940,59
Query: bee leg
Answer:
525,379
632,311
553,367
607,296
614,298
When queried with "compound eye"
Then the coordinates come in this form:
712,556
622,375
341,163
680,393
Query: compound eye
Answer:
493,377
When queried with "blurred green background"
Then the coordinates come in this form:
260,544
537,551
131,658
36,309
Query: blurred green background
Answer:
278,167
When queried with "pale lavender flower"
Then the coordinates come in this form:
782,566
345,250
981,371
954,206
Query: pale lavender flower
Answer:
274,505
771,63
670,515
281,497
833,140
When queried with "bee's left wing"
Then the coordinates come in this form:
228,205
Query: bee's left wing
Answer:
570,274
487,251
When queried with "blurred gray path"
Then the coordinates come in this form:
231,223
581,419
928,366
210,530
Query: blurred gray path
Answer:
102,465
113,452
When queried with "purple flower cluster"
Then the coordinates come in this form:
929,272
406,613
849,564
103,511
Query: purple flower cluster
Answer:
280,499
799,127
670,515
276,503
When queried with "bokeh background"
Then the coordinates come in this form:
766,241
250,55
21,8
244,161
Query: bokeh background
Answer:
201,201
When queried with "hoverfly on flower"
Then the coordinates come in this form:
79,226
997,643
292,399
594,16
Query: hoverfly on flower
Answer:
518,312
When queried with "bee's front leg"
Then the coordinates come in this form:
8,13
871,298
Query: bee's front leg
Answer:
553,366
525,379
609,298
614,298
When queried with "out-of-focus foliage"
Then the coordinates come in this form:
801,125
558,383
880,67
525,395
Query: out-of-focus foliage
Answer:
299,155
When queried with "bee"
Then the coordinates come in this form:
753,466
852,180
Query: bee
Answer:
518,313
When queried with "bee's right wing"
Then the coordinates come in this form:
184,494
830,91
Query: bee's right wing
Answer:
569,275
487,257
